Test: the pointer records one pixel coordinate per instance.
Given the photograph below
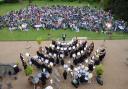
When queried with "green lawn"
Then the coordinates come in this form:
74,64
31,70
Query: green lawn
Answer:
55,34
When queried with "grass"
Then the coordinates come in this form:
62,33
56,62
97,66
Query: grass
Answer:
6,7
32,35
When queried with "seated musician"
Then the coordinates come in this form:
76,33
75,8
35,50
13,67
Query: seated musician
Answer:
40,52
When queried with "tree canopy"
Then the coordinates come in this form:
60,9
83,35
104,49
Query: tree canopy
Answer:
118,7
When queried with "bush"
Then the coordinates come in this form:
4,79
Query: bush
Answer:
28,70
39,40
99,70
17,62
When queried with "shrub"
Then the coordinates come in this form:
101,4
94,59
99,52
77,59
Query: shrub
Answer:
99,70
28,70
39,40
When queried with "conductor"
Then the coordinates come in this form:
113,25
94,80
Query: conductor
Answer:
64,36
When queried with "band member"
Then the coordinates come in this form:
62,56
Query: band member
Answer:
62,62
40,52
23,62
65,74
57,60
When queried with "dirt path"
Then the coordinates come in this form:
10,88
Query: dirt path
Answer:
116,70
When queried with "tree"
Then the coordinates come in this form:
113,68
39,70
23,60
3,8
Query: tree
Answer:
11,1
118,7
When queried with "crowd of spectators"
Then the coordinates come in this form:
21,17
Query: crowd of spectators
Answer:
61,17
